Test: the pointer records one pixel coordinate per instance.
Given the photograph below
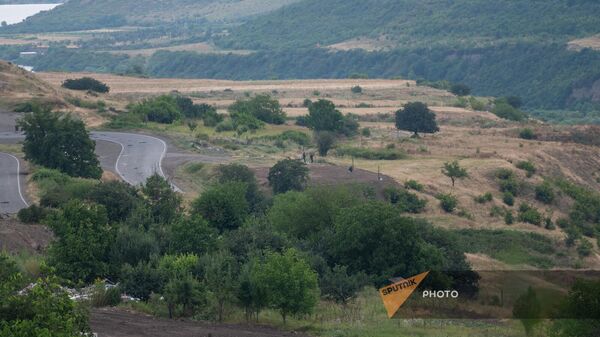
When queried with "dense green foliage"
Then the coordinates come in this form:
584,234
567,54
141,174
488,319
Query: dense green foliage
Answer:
465,23
262,107
163,109
86,83
59,141
416,117
288,175
323,116
44,309
582,310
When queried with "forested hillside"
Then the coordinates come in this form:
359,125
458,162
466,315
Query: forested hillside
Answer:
413,23
88,14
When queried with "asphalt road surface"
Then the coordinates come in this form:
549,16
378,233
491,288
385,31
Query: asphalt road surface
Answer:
11,197
133,157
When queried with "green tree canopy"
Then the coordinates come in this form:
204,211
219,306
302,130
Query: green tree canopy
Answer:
84,237
287,175
224,205
58,141
528,309
291,285
262,107
416,117
454,171
164,203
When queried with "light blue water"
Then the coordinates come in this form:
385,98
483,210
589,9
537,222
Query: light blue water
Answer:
17,13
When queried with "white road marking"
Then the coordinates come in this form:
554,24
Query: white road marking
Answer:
19,178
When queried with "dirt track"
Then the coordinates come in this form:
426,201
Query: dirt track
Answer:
113,322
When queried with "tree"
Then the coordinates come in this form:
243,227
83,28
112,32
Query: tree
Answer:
374,238
164,203
416,117
454,171
84,237
192,235
528,309
460,89
323,116
162,109
220,271
325,141
4,24
290,283
287,175
44,309
579,313
86,83
338,286
242,174
141,280
58,141
251,293
184,291
262,107
224,206
119,198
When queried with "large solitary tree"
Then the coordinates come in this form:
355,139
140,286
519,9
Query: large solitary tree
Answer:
287,175
58,141
416,117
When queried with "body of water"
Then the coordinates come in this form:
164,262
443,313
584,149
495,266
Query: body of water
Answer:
17,13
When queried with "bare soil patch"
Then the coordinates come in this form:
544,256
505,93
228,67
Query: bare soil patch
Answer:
116,322
16,237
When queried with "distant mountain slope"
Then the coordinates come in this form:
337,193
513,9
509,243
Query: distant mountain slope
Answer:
419,23
94,14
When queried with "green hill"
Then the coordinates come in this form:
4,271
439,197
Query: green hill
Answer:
94,14
419,23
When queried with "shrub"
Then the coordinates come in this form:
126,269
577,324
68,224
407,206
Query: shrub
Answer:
460,89
508,198
365,132
482,199
585,248
105,296
504,174
527,134
288,175
509,218
356,89
563,223
261,107
325,141
226,125
549,225
371,154
545,193
86,83
476,104
448,202
413,185
32,214
529,214
162,109
506,111
528,167
497,211
406,201
307,103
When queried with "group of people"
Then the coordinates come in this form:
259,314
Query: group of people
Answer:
311,156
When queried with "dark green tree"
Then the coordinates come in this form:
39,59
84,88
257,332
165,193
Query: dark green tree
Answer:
454,171
58,141
262,107
528,310
220,276
323,116
117,197
460,89
192,235
81,251
579,313
325,141
287,175
242,174
290,284
416,117
339,286
164,203
224,206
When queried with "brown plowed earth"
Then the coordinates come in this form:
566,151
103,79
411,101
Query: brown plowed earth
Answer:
118,322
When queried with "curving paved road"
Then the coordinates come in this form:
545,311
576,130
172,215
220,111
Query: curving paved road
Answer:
133,157
11,197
